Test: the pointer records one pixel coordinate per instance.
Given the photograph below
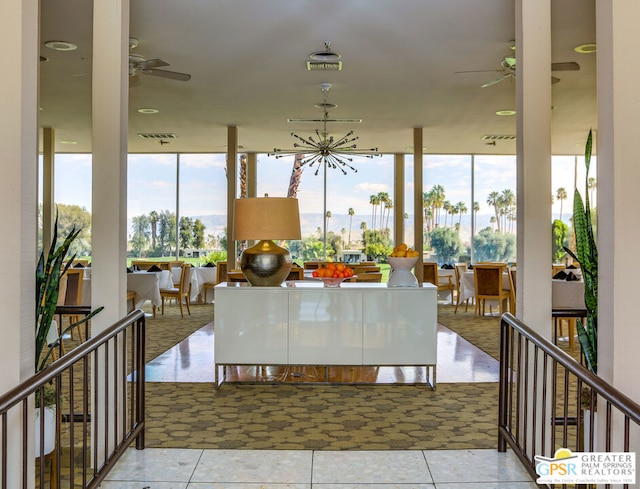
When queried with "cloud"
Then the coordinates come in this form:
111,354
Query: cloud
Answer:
373,187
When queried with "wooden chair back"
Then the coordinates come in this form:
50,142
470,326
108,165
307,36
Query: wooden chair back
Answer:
296,273
236,276
311,265
221,272
488,278
185,279
488,284
430,273
73,292
175,264
144,265
369,277
512,295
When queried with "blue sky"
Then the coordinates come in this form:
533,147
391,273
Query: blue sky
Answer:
152,181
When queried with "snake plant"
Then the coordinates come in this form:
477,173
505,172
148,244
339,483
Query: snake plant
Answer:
587,255
49,271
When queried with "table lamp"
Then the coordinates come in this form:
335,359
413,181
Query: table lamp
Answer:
265,219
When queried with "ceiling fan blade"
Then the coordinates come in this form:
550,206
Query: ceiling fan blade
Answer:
568,66
479,71
134,81
174,75
152,63
497,80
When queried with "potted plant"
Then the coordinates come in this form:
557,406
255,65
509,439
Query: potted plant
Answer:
587,255
49,271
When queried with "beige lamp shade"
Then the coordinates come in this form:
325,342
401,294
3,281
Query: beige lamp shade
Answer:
257,218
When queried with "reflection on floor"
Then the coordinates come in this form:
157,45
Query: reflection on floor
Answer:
159,468
192,361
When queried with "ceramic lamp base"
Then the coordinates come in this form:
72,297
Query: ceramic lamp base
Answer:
266,264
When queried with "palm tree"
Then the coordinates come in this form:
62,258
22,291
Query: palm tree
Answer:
383,199
493,199
438,201
508,199
427,205
462,209
153,220
448,209
388,206
561,195
374,201
476,209
296,174
343,231
351,213
328,216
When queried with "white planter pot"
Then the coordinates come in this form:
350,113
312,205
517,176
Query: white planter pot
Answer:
588,428
49,430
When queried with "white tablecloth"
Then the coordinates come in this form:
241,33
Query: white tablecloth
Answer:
566,294
146,285
199,275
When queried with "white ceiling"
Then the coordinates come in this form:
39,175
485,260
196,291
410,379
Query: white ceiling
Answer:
248,59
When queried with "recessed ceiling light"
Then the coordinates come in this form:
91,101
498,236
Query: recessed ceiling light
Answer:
68,141
586,48
148,111
506,112
61,45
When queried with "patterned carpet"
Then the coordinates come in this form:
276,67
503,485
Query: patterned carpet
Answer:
320,417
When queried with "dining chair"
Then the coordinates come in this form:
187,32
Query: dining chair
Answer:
369,277
512,295
430,274
180,293
131,296
236,276
488,284
221,272
73,297
460,269
173,265
143,265
296,273
311,265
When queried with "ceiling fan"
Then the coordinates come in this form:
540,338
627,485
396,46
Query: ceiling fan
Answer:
139,64
508,64
509,67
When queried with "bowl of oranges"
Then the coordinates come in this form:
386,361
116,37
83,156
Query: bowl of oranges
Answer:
402,260
333,273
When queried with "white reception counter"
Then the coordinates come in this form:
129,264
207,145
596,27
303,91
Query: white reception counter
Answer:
304,323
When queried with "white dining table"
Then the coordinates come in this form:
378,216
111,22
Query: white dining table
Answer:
146,285
567,294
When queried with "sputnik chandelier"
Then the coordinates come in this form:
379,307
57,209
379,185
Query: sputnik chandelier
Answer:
325,150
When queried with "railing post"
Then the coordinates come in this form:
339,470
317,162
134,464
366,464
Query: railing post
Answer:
503,385
140,381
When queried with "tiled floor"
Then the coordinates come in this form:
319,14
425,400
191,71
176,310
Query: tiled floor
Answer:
305,469
458,361
189,361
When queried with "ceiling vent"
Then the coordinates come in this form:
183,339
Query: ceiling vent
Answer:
498,138
313,65
344,121
157,135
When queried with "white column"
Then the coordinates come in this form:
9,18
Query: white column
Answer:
48,194
533,92
18,198
232,184
618,174
398,198
418,224
109,172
